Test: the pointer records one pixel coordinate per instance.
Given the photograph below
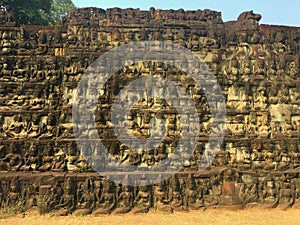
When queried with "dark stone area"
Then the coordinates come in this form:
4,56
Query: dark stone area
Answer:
256,65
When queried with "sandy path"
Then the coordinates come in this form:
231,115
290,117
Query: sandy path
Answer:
212,216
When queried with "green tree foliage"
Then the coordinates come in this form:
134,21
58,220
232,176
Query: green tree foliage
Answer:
39,12
61,8
30,11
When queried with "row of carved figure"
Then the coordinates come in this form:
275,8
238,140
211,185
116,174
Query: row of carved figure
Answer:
65,156
242,91
130,15
56,41
60,126
179,193
207,42
63,70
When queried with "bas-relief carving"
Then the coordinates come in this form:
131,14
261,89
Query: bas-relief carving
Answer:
256,65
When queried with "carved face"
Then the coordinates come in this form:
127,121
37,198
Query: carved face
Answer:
18,118
116,36
279,37
195,37
176,195
157,35
129,36
292,65
234,63
168,35
261,64
125,188
142,36
255,38
270,184
35,119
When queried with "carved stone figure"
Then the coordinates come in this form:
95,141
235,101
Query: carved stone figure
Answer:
16,128
270,194
249,19
160,199
85,198
142,201
67,202
194,200
31,159
124,200
107,202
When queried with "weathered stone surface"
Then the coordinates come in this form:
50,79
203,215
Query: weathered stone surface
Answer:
256,65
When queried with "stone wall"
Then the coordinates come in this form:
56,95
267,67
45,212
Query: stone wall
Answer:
256,65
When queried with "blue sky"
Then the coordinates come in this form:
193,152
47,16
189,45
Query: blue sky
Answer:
281,12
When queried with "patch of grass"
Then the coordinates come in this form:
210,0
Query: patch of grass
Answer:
11,211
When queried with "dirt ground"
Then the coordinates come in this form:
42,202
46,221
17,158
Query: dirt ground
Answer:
211,216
